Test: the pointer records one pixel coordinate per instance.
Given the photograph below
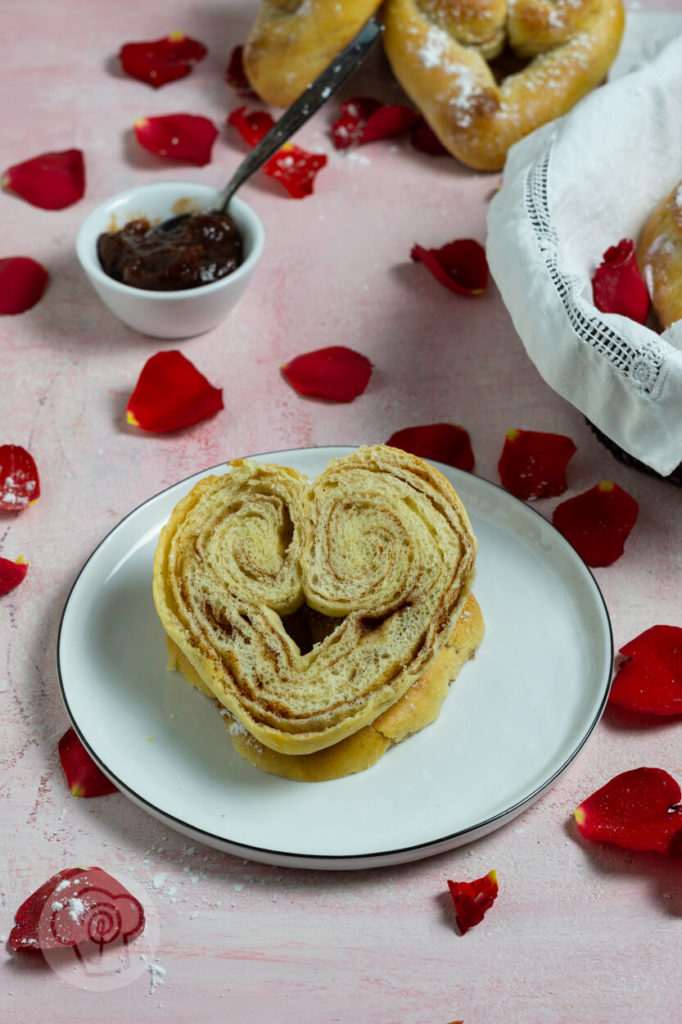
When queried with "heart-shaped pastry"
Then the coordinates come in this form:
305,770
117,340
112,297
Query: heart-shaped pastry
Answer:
379,542
546,55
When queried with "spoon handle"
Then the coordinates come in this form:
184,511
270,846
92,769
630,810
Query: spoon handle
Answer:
331,79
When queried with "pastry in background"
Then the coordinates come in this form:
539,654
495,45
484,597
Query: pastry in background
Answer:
443,66
484,73
659,255
293,41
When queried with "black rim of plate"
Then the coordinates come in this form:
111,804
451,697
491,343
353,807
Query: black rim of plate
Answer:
335,861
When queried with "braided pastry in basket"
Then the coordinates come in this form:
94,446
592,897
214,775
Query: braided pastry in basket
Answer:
659,255
379,543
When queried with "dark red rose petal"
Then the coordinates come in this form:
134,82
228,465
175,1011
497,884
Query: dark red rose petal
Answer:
19,481
638,809
442,442
617,285
472,899
349,125
337,373
187,137
235,76
295,168
598,522
363,119
22,283
533,463
83,776
77,906
460,265
424,139
51,181
651,678
171,393
389,120
163,60
11,574
253,126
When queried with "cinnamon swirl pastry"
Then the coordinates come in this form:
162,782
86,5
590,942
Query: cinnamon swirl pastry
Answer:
417,708
379,543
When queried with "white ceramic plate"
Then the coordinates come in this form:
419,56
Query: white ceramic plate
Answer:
514,720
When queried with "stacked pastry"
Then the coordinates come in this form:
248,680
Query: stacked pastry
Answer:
444,54
326,618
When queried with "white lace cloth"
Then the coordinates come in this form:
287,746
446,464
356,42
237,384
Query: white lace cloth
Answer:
572,189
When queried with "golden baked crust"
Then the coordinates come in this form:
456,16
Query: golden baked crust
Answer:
416,709
439,52
293,41
659,255
378,541
571,43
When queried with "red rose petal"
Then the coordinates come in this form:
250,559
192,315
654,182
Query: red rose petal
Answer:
253,126
638,809
460,265
51,181
187,137
349,125
390,119
424,139
472,899
442,442
83,776
533,463
11,574
363,119
337,373
19,481
295,168
163,60
22,283
235,75
171,393
597,523
617,285
77,906
651,678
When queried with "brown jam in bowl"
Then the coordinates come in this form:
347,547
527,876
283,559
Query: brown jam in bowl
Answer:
201,249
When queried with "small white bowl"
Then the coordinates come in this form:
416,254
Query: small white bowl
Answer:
178,314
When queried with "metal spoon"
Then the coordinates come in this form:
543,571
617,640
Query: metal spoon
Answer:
317,93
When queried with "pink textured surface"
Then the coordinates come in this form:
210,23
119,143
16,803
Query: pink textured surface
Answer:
580,932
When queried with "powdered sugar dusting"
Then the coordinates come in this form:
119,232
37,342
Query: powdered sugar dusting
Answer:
76,908
435,51
157,976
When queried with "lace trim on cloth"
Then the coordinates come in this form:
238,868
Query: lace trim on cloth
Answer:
642,364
